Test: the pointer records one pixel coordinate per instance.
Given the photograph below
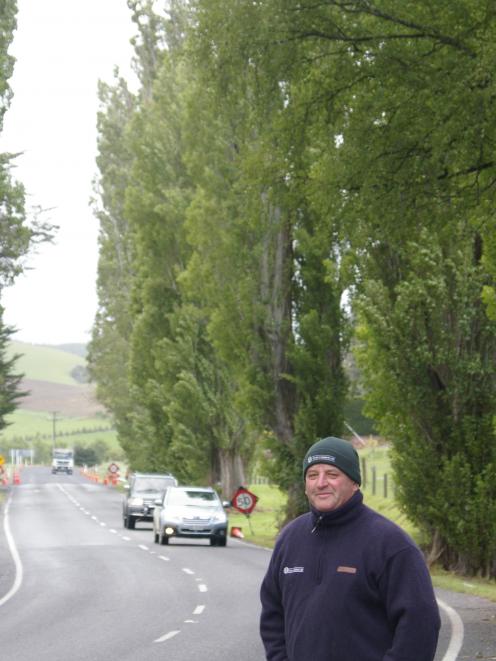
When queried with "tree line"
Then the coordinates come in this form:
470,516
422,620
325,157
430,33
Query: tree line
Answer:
21,228
292,181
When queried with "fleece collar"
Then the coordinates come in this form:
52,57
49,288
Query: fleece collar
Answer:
344,514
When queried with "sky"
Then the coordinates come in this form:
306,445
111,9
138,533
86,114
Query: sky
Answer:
62,48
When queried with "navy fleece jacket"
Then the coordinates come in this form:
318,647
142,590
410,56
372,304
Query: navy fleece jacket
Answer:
347,585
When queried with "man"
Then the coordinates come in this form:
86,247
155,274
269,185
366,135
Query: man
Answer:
344,583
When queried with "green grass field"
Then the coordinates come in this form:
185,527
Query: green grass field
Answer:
32,423
44,363
27,428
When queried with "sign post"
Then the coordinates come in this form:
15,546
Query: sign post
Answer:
244,501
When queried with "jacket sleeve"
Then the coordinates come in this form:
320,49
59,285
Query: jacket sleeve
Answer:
411,606
272,616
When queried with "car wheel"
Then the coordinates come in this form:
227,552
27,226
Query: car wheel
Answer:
155,536
163,539
131,523
217,540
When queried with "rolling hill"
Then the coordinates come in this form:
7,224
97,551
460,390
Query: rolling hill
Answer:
54,377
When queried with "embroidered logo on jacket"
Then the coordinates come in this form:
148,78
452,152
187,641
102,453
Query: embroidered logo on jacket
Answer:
346,570
293,570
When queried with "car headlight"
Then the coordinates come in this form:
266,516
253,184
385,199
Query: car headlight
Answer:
219,518
135,502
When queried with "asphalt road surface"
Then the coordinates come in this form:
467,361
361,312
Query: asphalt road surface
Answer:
74,584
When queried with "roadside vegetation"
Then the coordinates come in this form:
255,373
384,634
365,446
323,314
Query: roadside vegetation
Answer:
295,210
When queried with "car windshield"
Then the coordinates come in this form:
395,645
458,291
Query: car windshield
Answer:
152,484
192,497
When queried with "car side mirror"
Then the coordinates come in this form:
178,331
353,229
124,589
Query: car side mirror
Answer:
158,501
226,504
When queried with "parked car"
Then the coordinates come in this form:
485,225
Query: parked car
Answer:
195,512
143,490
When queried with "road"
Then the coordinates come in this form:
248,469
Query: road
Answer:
75,584
92,590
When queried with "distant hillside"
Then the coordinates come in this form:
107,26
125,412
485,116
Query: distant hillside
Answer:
55,379
77,349
72,401
45,363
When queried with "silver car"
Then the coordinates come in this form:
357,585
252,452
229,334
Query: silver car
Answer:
142,491
195,512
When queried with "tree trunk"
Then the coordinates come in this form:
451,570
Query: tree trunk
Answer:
232,473
276,291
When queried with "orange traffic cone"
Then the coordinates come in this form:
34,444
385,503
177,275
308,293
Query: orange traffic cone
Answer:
236,532
17,479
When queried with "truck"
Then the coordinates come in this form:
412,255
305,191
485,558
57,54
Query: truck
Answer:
63,460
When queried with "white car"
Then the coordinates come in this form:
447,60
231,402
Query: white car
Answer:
194,512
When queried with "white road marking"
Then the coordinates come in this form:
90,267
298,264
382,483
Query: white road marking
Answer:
15,555
166,636
163,557
127,539
188,571
113,530
142,546
103,524
202,587
199,610
456,638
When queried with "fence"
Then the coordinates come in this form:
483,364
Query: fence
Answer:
371,478
379,482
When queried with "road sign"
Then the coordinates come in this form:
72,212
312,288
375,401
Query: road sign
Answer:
2,460
244,500
113,468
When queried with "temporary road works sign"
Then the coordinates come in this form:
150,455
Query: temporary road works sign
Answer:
244,500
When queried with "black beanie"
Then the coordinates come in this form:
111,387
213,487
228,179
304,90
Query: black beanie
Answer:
337,452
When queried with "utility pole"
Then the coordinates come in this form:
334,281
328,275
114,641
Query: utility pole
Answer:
54,420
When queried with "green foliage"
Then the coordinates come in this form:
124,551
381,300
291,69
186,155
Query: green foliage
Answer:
93,453
286,170
406,212
16,235
10,394
85,456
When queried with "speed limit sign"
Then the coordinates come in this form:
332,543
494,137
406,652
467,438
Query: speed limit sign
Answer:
244,500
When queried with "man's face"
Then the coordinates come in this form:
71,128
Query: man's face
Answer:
327,487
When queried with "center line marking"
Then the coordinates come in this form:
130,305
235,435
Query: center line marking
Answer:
166,636
199,610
